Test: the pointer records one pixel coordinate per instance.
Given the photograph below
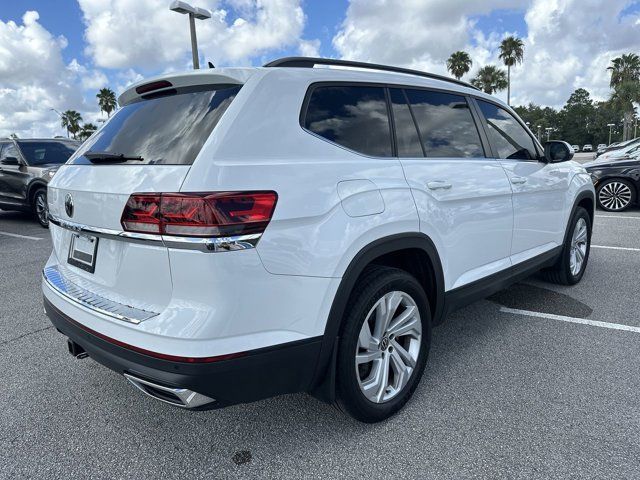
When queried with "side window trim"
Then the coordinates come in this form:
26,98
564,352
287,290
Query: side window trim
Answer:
392,123
415,122
489,151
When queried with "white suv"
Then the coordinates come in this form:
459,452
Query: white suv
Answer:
233,234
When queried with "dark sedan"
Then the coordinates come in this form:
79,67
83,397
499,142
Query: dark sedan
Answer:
617,182
26,166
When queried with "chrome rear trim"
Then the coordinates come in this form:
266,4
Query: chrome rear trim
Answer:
180,397
62,285
203,244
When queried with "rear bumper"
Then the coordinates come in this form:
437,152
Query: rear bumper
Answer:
257,374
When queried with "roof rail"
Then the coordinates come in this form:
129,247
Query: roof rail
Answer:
310,62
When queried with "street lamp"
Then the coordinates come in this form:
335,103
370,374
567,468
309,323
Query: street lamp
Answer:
61,116
610,125
539,137
194,12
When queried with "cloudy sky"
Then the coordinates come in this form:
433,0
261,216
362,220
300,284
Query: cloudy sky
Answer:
57,54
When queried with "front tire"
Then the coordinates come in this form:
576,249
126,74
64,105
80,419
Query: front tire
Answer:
615,195
572,263
41,207
384,344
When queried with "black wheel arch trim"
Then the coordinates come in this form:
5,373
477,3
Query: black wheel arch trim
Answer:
33,187
323,386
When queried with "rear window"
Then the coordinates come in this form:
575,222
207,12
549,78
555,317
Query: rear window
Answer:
166,130
42,153
352,116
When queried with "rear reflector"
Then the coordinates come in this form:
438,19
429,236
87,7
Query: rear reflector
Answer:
213,214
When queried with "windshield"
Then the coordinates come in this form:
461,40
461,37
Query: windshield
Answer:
42,153
165,130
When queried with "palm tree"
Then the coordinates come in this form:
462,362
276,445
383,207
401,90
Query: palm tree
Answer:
490,79
107,100
71,121
511,53
625,81
459,63
87,130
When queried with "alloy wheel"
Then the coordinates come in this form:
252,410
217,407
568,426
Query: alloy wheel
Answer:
388,347
578,251
615,196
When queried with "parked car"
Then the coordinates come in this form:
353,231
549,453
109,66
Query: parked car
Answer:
620,145
576,148
26,166
587,148
294,237
617,181
627,150
601,148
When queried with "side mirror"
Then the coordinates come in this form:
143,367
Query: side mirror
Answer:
556,151
10,161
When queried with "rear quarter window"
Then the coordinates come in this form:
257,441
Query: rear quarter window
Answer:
165,130
354,117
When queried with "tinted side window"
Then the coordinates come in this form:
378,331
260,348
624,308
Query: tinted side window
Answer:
9,150
351,116
507,136
407,137
446,124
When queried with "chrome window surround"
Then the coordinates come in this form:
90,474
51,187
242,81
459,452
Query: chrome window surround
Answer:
62,285
202,244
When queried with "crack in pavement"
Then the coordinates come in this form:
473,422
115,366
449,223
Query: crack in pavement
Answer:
11,340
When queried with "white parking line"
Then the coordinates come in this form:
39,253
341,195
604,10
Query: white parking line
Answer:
562,318
20,236
628,249
617,216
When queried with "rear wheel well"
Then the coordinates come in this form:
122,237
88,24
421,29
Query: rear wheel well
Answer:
416,262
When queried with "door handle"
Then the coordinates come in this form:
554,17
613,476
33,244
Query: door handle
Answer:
518,180
438,185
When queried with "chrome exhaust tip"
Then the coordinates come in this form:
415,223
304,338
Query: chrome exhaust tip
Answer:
179,397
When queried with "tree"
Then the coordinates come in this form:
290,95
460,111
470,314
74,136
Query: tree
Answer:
459,63
107,100
87,130
71,121
490,79
511,53
625,81
577,118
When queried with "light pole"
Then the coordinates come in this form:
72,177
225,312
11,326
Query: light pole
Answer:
610,125
539,137
61,116
548,129
193,12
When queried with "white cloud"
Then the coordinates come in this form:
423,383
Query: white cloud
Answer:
309,48
34,79
568,45
146,34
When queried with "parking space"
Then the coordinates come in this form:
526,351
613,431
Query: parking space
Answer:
530,383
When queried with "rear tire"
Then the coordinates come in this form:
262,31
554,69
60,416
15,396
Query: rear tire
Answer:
40,207
380,364
573,260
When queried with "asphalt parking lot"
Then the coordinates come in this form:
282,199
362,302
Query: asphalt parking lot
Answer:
538,381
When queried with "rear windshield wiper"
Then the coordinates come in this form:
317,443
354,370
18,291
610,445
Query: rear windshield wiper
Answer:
110,157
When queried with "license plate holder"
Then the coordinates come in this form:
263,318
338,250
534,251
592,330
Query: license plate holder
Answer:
82,251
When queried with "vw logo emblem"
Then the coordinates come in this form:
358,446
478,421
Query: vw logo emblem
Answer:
384,343
68,205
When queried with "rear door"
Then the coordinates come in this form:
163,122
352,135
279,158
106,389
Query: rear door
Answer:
539,188
463,198
162,136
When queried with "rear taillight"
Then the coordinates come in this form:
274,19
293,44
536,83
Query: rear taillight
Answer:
217,214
